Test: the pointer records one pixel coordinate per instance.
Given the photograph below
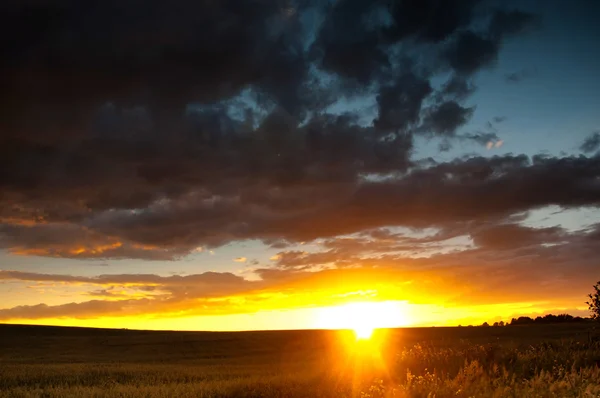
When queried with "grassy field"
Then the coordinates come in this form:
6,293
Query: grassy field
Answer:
511,361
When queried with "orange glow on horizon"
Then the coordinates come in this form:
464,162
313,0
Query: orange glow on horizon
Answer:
360,300
385,314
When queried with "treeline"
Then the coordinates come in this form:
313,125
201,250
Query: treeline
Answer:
562,318
546,319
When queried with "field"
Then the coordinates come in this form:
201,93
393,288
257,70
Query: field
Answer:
510,361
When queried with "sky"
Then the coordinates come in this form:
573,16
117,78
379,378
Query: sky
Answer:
241,165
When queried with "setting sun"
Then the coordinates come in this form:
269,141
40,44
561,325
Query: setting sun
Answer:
363,317
363,332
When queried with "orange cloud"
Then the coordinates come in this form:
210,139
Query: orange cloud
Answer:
502,264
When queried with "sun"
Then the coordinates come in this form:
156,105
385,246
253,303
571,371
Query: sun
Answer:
363,332
363,317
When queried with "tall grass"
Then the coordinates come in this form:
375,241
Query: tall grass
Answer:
300,364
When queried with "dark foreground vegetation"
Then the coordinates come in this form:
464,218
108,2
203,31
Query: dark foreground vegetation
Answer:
520,361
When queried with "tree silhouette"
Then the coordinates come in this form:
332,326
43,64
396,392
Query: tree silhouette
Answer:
522,320
594,302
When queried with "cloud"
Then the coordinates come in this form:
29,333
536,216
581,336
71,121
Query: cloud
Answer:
445,118
508,263
400,104
473,50
165,289
519,264
240,260
345,45
73,241
457,87
462,190
482,138
507,236
493,144
88,309
207,278
144,139
591,143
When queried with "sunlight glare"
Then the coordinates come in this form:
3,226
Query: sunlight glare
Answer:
363,317
363,332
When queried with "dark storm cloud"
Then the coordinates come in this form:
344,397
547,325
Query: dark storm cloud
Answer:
446,118
474,50
349,43
591,143
400,104
164,54
459,191
457,87
462,190
429,20
470,52
355,35
184,124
